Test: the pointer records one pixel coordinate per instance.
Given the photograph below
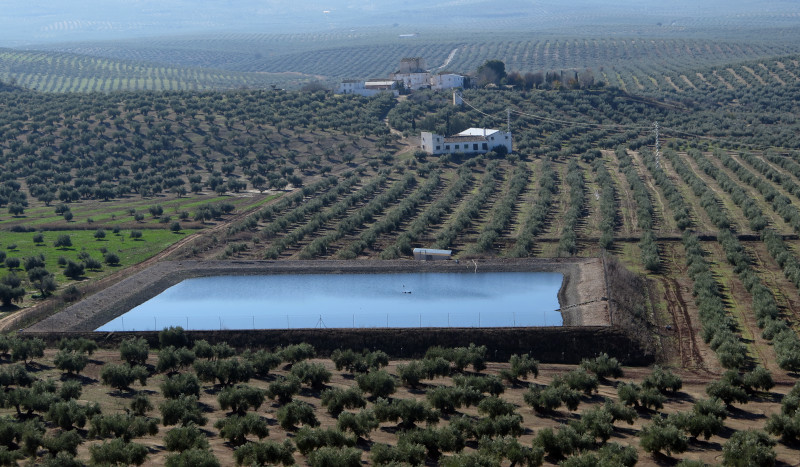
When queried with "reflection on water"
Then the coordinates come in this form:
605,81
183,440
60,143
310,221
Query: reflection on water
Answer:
351,300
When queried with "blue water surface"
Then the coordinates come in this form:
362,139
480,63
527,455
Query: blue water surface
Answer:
400,300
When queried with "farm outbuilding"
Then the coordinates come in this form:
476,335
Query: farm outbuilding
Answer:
429,254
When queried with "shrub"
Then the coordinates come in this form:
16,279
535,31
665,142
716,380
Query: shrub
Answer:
663,380
412,373
241,398
171,359
562,442
122,426
118,451
758,379
182,384
69,361
748,447
579,380
262,361
294,413
173,336
309,439
435,440
71,294
620,411
360,424
662,436
359,362
377,383
111,259
182,410
507,447
44,282
313,374
62,459
70,415
194,457
134,350
140,404
27,349
136,234
186,437
550,398
436,367
99,234
63,241
74,270
265,453
521,367
609,454
70,390
283,389
12,263
495,407
227,371
727,392
335,457
407,411
81,345
10,294
403,454
603,366
336,400
236,428
447,398
486,384
122,376
295,353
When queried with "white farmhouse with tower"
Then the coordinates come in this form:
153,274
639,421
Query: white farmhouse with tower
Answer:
412,74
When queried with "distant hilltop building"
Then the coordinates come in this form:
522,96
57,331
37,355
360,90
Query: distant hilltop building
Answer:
415,76
368,88
412,74
471,141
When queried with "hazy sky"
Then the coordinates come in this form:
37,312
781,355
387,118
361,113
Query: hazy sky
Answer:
41,21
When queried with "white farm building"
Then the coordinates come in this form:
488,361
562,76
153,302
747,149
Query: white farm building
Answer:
471,141
368,88
413,76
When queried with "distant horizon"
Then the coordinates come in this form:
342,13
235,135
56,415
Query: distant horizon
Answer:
50,22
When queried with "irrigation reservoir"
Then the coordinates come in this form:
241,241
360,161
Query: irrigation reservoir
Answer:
395,300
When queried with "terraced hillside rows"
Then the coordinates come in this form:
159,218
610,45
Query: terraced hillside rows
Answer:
67,72
627,62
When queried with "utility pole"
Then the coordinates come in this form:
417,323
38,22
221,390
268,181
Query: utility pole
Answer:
658,146
508,120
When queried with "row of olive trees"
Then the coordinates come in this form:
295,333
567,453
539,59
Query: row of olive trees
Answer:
503,210
471,208
356,219
645,213
577,198
324,214
394,218
432,215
